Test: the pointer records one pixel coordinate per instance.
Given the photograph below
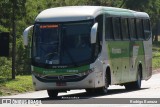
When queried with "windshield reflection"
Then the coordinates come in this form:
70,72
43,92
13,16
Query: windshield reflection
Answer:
62,44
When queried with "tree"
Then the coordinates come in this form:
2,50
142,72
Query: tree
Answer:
11,11
152,7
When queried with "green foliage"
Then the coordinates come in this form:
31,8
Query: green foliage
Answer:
156,55
19,85
156,60
4,29
6,7
152,7
5,67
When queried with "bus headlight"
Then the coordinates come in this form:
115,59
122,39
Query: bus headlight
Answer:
86,72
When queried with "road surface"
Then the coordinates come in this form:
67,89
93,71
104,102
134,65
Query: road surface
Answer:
116,94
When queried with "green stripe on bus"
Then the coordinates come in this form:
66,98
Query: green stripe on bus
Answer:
121,49
61,71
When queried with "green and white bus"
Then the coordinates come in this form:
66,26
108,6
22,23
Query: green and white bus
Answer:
89,47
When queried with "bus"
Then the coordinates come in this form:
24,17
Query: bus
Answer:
89,47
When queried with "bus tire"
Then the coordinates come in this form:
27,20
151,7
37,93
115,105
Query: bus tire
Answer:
101,90
104,89
137,84
90,91
52,93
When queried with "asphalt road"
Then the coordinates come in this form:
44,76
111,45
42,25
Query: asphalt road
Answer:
148,94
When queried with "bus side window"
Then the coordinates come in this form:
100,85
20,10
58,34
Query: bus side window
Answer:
109,29
146,28
132,30
116,28
124,25
139,28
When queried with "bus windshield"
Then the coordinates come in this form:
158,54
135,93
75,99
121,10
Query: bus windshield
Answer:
62,44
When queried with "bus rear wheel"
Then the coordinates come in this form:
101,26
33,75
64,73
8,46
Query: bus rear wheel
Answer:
100,90
137,84
90,91
52,93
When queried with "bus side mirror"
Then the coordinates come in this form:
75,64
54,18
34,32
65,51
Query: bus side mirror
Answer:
25,35
94,33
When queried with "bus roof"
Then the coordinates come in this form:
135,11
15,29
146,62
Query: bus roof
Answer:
77,13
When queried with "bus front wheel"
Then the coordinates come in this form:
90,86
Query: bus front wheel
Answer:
104,89
52,93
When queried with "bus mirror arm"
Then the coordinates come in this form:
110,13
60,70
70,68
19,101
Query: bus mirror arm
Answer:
94,33
25,35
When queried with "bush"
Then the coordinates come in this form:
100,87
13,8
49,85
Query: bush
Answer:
5,67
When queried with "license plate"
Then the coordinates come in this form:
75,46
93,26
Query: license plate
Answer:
61,83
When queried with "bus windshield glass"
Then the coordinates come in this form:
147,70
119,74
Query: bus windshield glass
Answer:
62,44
